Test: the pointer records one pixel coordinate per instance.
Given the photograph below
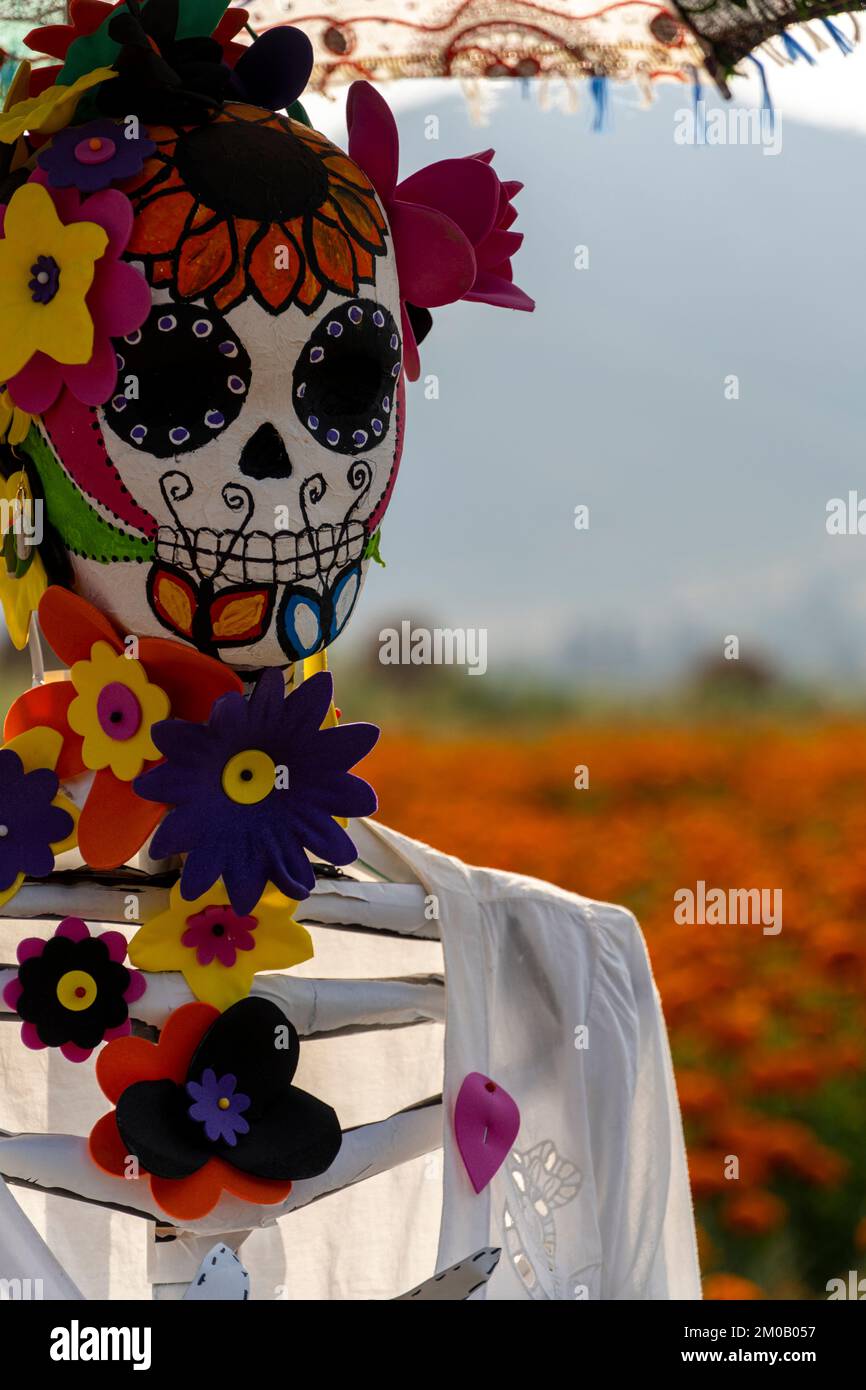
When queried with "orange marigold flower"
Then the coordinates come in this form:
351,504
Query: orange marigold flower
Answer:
730,1287
754,1213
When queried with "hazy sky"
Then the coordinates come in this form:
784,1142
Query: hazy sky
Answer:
707,514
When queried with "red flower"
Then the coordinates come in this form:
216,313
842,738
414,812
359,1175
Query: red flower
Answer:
114,823
128,1060
450,221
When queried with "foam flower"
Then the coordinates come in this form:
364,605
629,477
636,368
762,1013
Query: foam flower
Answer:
217,950
65,293
51,110
14,423
89,157
210,1108
450,221
114,710
37,822
114,823
255,787
22,574
73,991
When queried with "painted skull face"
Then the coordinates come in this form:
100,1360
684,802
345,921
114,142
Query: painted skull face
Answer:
229,491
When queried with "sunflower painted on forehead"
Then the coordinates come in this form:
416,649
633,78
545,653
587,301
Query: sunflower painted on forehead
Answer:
254,204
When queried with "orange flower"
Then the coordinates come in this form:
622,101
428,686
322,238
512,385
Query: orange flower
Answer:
730,1287
225,253
114,823
754,1213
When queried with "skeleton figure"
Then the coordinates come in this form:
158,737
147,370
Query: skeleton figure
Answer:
228,492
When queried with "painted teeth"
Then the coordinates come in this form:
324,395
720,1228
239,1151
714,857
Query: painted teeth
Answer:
260,558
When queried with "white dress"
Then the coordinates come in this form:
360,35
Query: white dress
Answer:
548,993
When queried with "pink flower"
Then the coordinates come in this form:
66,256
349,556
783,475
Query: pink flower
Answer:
117,302
219,932
450,221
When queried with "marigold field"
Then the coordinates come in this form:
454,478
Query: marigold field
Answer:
768,1032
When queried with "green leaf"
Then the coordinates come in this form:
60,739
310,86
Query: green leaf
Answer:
371,549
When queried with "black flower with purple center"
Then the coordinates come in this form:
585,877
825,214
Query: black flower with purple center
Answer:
257,786
29,823
92,156
46,279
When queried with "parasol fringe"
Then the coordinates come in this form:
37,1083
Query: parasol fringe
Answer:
766,99
844,45
795,50
600,91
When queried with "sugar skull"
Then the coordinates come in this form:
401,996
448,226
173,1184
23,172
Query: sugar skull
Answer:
228,491
217,468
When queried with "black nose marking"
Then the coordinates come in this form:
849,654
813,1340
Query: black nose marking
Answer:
264,455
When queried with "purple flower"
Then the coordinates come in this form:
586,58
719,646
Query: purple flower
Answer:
219,932
218,1106
92,156
29,824
255,787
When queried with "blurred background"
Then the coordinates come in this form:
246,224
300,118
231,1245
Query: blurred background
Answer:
606,646
692,376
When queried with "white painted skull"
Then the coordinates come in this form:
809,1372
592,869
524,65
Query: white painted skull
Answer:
230,491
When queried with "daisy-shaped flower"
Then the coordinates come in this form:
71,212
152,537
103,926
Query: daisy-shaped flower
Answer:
255,787
37,822
51,110
73,991
113,712
22,574
450,221
312,226
217,950
65,293
210,1108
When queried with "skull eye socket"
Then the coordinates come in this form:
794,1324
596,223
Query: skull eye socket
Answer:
346,377
182,379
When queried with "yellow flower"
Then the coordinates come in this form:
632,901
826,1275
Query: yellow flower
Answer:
52,317
39,748
217,951
52,110
14,423
115,709
22,574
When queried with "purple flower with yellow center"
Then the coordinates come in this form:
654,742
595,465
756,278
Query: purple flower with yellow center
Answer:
218,1106
256,787
89,157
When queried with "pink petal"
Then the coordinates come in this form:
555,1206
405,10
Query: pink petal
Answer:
31,1038
118,299
29,947
67,201
507,216
94,381
498,247
495,290
136,987
122,1030
73,1053
115,943
75,930
373,140
411,360
466,190
435,261
37,385
112,210
12,993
